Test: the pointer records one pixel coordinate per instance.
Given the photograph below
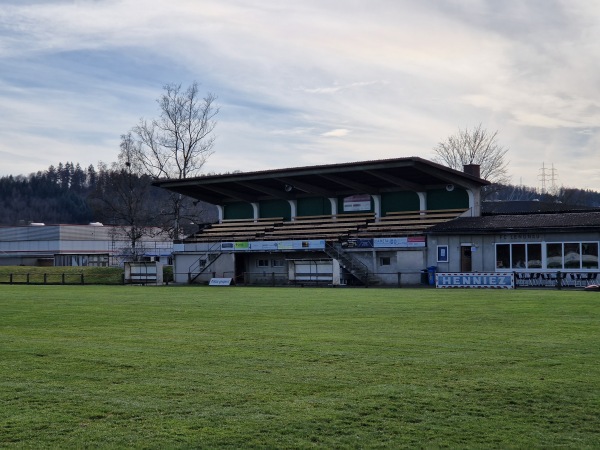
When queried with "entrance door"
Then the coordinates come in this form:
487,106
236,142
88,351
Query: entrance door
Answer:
240,268
465,259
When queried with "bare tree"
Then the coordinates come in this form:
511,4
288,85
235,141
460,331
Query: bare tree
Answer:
177,144
476,146
121,197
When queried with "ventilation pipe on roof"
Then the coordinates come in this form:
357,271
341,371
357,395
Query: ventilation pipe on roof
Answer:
472,169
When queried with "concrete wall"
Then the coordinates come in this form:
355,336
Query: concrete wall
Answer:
389,267
183,263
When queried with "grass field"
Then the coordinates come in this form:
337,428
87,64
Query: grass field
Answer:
183,367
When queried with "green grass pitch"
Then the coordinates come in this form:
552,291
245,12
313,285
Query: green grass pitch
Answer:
201,367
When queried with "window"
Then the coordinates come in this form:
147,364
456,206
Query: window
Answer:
534,256
589,255
385,261
81,260
559,255
554,254
572,256
518,256
277,262
262,263
503,256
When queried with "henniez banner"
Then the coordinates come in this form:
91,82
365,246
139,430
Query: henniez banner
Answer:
475,280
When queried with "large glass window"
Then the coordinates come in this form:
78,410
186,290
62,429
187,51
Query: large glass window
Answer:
572,255
518,256
503,256
554,255
534,256
589,255
559,255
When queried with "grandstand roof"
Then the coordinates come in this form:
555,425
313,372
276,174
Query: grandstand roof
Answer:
367,177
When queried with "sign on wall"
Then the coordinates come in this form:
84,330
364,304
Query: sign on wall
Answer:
360,202
262,246
442,253
399,242
396,242
358,243
475,280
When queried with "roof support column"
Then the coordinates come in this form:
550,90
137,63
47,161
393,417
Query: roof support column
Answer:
422,200
376,206
334,206
221,212
474,202
293,208
256,210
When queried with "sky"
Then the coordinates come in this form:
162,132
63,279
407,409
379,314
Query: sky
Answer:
307,82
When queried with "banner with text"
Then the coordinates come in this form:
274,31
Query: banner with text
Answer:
267,246
475,280
360,202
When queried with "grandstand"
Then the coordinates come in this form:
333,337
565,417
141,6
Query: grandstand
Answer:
339,228
352,223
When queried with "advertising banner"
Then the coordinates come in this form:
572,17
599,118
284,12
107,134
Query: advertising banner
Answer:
263,246
268,246
359,243
475,280
220,282
399,242
357,203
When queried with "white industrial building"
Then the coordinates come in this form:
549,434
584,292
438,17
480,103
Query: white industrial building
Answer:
78,245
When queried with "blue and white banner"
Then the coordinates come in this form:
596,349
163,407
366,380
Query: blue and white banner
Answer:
400,242
475,280
220,282
267,246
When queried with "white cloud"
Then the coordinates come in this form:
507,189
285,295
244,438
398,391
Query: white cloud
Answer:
387,78
339,132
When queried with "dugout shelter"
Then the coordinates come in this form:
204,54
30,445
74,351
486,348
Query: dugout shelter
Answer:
350,223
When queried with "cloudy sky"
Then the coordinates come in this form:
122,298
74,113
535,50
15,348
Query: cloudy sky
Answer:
306,82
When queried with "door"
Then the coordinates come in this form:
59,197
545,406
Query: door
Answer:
465,259
240,268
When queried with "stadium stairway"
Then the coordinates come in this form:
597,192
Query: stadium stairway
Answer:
353,265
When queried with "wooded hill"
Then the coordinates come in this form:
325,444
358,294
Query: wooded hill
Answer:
69,194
